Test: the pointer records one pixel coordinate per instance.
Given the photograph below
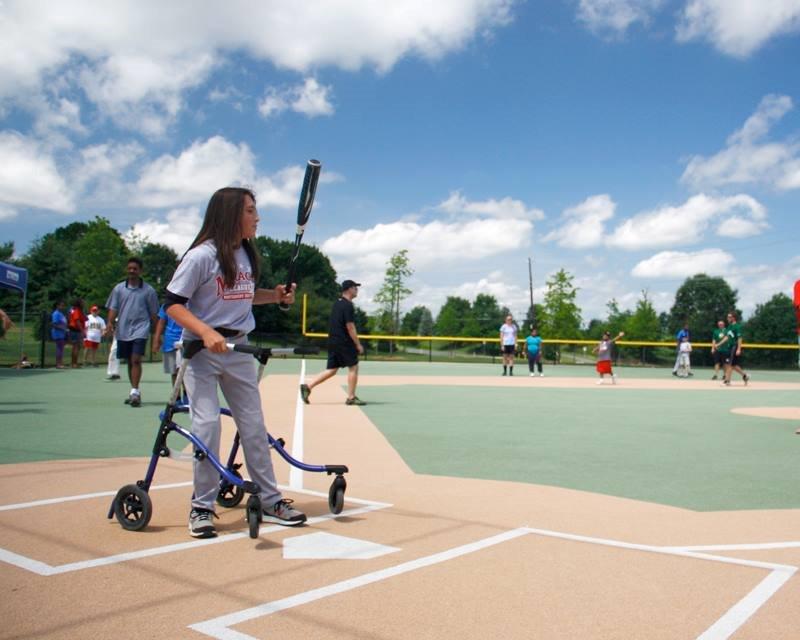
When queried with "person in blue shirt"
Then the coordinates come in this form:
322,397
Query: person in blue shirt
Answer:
167,333
533,344
58,331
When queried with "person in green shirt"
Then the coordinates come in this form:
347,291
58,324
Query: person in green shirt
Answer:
716,353
733,341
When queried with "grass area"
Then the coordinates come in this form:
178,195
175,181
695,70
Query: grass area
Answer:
681,449
64,414
666,446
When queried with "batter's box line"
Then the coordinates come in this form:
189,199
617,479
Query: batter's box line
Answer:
724,627
43,569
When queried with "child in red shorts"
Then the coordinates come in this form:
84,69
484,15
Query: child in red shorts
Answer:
603,351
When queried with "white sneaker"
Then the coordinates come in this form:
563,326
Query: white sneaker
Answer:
599,382
613,378
541,375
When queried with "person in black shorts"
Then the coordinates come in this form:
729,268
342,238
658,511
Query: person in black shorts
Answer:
344,346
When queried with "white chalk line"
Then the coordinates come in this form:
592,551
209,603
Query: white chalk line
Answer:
219,627
723,628
296,474
83,496
43,569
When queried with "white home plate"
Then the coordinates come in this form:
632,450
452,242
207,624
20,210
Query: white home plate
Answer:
326,546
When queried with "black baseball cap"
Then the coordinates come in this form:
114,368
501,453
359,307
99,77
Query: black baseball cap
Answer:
349,284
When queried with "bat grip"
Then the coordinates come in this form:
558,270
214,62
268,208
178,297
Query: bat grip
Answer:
289,280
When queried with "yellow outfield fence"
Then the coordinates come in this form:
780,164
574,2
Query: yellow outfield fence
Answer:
564,351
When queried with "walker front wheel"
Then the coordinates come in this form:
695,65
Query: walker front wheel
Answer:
336,495
133,507
254,515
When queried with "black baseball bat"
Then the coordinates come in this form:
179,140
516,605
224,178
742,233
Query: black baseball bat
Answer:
307,193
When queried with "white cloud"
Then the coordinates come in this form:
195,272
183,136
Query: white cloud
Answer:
195,174
7,213
738,27
756,284
733,216
177,230
747,158
584,223
207,165
679,264
62,114
309,98
435,243
135,59
505,209
791,175
613,17
29,177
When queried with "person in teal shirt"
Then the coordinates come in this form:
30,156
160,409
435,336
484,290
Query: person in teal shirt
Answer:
533,344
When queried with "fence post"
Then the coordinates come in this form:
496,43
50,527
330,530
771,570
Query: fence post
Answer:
43,339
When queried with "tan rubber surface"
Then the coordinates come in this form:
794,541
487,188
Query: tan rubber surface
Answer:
472,558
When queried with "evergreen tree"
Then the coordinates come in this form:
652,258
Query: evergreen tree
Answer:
772,322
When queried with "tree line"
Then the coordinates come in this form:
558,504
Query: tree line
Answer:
86,260
700,302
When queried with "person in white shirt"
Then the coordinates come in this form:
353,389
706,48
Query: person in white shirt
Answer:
684,361
95,326
508,344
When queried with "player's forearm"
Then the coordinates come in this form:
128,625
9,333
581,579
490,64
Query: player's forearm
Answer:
274,296
188,320
351,331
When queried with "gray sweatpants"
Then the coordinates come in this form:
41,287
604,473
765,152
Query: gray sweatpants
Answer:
235,373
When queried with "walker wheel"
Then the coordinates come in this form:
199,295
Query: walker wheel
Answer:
230,494
336,495
133,507
253,515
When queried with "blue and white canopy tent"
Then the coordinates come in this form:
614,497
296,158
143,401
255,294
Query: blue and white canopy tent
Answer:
12,277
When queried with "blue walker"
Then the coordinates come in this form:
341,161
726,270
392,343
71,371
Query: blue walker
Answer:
132,505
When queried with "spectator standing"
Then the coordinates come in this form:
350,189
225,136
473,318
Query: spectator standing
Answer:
344,346
167,333
112,371
77,330
533,345
684,359
733,338
58,331
508,344
5,323
716,354
683,333
132,311
603,351
95,327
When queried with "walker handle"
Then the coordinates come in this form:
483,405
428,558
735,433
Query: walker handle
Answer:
192,347
268,352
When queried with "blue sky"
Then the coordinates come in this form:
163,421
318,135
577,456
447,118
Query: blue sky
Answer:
632,143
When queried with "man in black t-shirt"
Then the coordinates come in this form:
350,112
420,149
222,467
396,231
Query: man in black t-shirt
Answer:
343,345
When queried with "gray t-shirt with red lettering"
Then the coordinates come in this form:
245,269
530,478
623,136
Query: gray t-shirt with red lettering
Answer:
199,278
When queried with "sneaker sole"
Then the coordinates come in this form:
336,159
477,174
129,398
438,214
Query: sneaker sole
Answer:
211,533
286,523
